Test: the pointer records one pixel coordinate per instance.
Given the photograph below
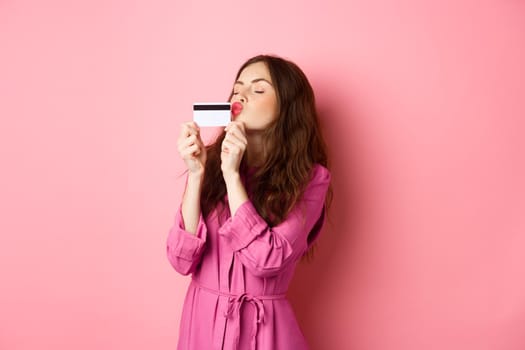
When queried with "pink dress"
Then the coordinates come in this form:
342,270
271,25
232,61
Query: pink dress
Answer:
241,269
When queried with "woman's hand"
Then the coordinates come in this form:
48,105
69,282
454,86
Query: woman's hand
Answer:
233,148
191,148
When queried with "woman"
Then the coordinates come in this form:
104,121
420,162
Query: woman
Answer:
254,203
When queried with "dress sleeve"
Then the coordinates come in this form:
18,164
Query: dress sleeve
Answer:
185,249
265,250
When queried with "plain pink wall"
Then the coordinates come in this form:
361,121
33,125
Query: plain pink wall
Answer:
423,108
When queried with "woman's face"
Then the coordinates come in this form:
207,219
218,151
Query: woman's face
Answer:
254,90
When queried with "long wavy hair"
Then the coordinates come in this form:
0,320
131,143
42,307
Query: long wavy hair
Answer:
293,144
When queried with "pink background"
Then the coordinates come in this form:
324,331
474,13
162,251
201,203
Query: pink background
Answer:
423,108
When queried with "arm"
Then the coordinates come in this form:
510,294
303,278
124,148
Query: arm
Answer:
236,193
193,152
185,249
191,209
265,250
233,147
187,237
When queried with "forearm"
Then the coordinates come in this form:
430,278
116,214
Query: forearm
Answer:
236,192
266,250
191,209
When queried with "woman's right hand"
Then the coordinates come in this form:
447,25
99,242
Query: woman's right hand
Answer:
191,148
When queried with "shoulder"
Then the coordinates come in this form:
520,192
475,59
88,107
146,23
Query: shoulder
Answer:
319,184
320,174
319,179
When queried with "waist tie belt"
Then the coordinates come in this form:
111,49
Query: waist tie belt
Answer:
235,302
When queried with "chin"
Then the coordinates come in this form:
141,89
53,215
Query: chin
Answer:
239,118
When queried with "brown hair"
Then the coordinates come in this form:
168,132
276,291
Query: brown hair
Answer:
293,144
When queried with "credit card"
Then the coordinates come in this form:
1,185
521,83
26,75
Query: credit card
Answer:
212,113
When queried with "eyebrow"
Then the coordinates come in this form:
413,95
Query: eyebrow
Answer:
254,81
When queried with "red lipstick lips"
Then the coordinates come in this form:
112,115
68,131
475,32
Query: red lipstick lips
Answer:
236,108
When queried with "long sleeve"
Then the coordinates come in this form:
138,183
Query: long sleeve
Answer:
183,248
266,250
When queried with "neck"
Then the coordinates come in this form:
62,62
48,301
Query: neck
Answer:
254,151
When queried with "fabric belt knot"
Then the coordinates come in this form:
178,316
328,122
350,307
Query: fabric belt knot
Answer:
235,304
233,312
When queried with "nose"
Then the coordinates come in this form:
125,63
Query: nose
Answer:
241,95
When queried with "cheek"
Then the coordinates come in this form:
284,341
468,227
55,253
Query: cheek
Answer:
274,110
269,112
271,105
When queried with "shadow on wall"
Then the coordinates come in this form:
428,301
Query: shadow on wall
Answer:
321,292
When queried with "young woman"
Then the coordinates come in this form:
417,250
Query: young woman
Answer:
254,203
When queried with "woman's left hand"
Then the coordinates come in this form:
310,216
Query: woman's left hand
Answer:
233,148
